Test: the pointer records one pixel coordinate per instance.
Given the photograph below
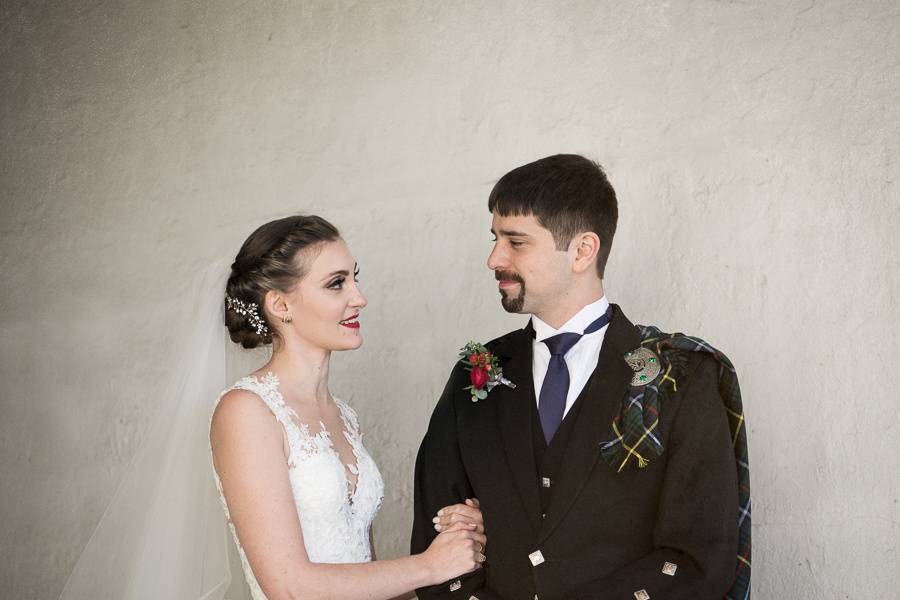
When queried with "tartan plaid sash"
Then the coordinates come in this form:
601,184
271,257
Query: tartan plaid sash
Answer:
637,439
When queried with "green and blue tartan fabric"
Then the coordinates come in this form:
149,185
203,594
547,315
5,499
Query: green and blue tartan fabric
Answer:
637,440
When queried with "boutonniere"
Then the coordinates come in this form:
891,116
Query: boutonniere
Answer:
485,372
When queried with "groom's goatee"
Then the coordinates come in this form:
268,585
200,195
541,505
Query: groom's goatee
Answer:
513,304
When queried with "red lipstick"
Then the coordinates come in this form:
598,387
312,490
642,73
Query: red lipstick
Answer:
351,322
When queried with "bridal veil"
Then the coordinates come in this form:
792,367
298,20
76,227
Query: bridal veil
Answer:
163,535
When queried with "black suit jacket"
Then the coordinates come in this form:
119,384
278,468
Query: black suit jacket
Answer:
605,534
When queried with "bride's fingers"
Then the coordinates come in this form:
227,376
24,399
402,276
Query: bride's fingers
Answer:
478,538
439,527
458,513
466,533
461,526
448,519
473,513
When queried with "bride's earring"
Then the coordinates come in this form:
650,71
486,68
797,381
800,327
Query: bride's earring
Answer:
287,319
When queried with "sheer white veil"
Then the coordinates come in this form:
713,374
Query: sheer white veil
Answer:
164,534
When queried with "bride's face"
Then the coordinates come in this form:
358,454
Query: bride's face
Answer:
325,305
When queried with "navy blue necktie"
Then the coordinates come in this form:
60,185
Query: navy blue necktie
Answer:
555,388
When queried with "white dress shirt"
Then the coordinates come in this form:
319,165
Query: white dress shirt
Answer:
581,359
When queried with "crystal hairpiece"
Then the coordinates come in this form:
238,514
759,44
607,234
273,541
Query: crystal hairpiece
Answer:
249,310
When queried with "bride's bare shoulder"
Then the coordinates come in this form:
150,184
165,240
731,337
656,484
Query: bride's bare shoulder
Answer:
239,413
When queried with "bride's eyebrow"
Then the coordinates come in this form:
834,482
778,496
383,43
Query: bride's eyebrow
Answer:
343,272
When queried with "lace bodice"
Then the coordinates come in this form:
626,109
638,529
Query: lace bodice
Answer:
335,517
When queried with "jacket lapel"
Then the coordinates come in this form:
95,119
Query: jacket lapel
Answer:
600,401
514,408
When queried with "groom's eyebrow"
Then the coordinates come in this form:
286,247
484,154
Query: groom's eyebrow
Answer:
511,233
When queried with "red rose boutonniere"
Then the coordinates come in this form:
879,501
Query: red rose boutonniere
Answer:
484,370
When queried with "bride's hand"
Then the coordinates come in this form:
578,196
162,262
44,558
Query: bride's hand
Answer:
454,552
468,513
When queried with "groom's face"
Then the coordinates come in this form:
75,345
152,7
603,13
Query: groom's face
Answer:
532,273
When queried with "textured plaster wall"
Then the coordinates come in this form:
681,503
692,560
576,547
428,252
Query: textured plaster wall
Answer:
754,147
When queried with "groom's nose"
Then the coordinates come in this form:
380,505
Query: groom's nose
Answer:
496,259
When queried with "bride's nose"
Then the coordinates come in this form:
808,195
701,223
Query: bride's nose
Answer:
358,300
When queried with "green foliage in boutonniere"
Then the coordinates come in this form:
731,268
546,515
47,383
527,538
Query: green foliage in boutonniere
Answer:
484,369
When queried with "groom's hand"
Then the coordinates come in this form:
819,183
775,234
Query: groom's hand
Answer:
466,514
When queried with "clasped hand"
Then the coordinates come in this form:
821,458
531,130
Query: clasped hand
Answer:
460,544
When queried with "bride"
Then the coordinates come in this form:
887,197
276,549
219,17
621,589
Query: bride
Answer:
300,490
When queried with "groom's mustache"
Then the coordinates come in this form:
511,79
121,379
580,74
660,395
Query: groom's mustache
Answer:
508,276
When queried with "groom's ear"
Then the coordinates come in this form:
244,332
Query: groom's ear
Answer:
584,247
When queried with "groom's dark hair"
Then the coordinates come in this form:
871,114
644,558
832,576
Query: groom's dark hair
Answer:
567,193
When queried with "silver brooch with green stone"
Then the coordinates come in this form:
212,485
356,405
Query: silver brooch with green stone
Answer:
645,364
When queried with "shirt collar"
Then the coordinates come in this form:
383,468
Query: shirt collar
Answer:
577,324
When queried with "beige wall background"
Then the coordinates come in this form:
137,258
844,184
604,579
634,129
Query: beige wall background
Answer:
754,147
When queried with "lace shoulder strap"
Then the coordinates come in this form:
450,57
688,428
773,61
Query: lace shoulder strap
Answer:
300,441
266,387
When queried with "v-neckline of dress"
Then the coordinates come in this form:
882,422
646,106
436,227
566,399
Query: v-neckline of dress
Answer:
270,380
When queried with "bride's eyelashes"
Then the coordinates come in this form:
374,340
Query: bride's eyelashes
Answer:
338,282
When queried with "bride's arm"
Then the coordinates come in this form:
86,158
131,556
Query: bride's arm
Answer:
248,452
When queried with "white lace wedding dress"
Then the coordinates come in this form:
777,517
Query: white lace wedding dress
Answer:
334,517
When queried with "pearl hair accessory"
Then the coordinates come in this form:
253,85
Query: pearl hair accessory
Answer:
249,310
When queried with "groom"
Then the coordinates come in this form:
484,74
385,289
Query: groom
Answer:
607,459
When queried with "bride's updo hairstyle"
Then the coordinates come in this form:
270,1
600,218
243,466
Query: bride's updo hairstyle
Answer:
272,258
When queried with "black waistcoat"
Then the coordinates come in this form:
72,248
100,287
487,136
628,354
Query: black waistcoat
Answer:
548,457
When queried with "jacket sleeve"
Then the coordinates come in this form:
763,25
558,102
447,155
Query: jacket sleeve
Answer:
696,534
441,480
